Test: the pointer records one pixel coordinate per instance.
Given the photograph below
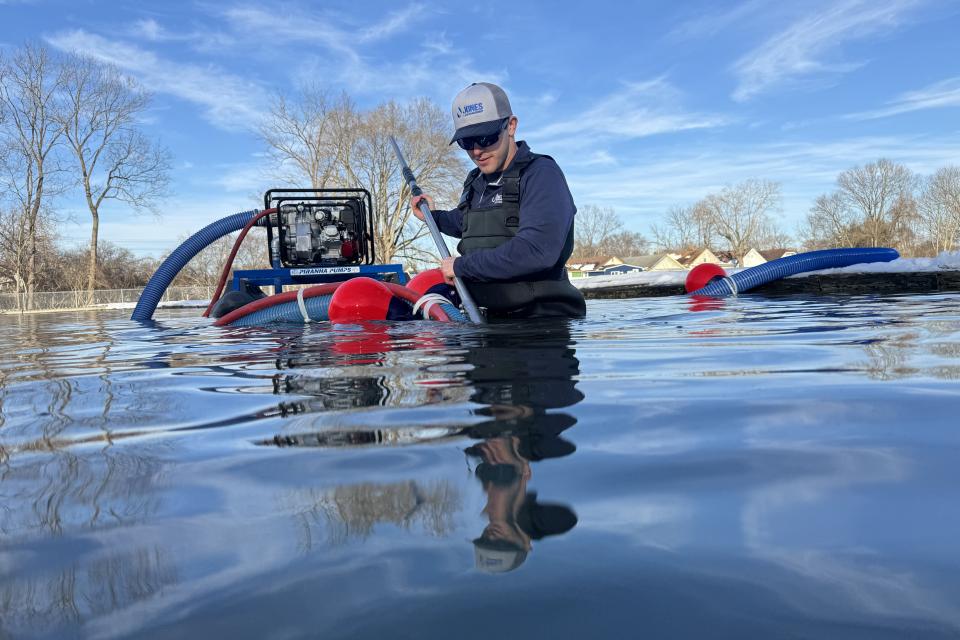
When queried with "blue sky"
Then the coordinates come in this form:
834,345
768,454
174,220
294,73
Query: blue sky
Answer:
644,105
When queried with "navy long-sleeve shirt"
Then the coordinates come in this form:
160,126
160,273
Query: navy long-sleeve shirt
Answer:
546,215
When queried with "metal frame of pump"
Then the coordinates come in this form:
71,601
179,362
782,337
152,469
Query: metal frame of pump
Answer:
303,234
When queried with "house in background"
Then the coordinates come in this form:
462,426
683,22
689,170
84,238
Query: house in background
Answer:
722,258
580,267
776,254
727,260
616,270
752,258
696,257
657,262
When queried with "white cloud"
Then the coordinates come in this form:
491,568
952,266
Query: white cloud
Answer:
639,110
150,29
206,40
396,22
322,45
547,99
945,93
333,50
423,71
229,101
323,29
599,158
287,28
661,520
711,23
255,176
801,50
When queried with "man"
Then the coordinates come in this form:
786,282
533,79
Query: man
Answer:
514,219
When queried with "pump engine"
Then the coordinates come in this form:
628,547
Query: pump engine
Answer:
319,227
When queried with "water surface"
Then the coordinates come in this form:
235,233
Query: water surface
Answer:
752,468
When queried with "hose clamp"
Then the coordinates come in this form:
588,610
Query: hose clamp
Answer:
732,285
303,307
427,301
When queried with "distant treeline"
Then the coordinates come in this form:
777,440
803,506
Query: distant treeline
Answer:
880,204
118,268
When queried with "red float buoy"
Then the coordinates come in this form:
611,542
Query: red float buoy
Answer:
366,299
702,275
432,281
425,280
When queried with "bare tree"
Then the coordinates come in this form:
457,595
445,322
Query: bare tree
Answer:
872,206
422,129
879,193
118,268
684,229
772,236
334,144
97,114
205,267
902,224
741,214
592,227
939,209
31,79
625,243
61,269
831,222
304,136
599,231
13,254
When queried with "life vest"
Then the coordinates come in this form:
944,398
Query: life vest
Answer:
544,293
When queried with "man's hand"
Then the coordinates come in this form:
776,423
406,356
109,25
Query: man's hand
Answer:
415,204
446,268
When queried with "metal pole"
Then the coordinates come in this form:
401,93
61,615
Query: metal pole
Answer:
468,304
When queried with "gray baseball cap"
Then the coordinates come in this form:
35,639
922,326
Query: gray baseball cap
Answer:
478,110
497,556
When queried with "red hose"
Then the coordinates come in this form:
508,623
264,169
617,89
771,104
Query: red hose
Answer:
279,298
397,290
233,254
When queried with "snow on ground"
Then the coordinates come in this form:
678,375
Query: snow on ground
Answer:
199,304
175,304
648,278
946,261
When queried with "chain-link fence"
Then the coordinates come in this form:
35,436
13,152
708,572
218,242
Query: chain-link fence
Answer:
47,300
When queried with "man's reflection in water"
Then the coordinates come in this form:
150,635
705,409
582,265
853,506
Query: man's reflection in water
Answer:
521,375
516,517
519,378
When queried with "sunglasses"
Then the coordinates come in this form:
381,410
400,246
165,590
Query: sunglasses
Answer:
482,142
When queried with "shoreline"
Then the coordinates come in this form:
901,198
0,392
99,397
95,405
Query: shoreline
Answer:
816,283
857,280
